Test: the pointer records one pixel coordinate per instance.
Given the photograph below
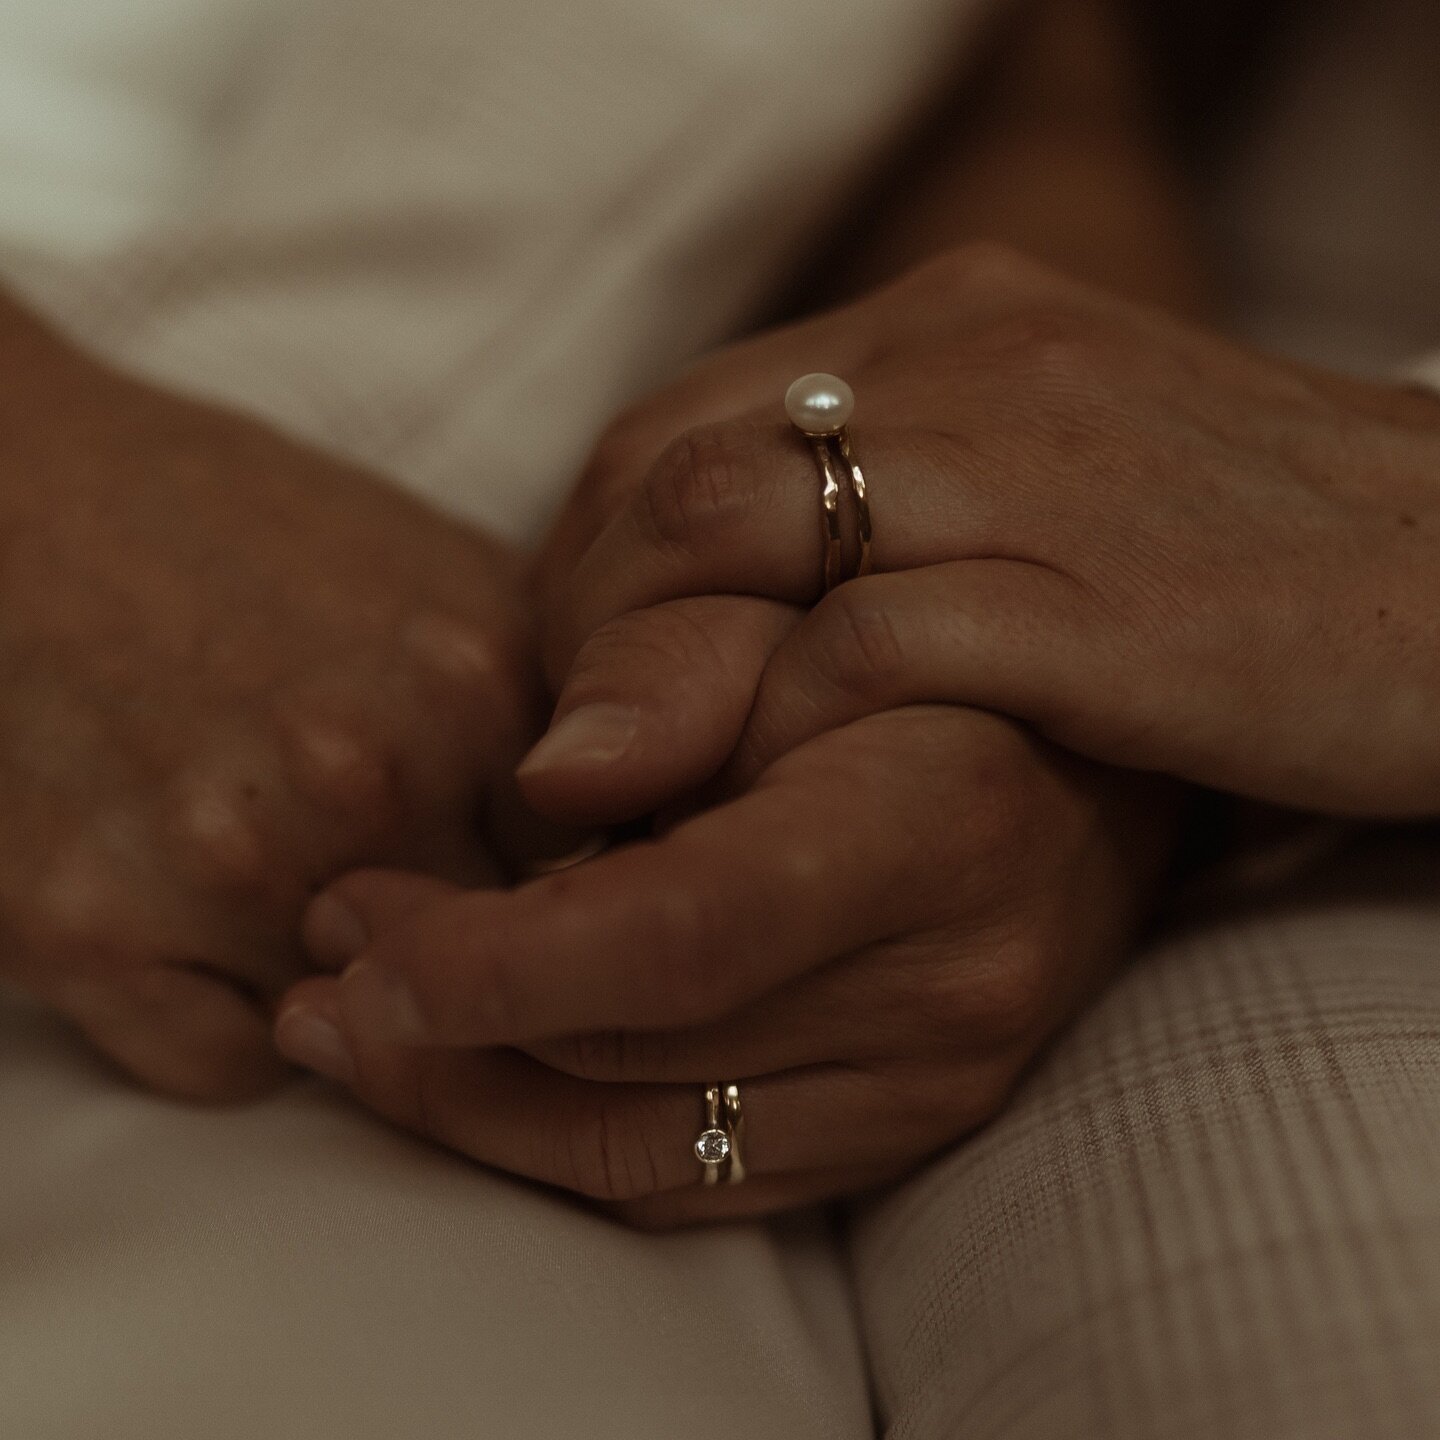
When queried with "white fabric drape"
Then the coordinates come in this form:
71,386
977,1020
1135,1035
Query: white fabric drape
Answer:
450,239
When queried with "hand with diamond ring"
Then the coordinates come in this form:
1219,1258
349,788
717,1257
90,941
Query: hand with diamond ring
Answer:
874,940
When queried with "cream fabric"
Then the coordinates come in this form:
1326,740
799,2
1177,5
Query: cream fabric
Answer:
451,239
1425,372
110,111
293,1271
1214,1212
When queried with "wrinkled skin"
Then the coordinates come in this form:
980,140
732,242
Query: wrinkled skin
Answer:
1163,550
761,939
875,939
232,669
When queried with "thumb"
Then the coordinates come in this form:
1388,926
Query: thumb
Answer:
652,707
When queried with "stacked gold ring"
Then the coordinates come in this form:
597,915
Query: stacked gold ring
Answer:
820,407
720,1144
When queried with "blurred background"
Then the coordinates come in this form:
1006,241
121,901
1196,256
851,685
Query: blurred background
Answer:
514,200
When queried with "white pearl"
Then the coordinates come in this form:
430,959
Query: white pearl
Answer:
820,404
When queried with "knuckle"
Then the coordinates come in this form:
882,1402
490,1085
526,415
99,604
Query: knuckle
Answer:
342,767
982,266
213,833
858,645
466,657
183,1050
1065,366
701,487
802,863
628,646
496,1007
617,464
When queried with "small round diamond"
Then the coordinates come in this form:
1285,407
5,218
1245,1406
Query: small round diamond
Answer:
712,1146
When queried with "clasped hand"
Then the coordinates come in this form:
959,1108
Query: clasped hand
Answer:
885,875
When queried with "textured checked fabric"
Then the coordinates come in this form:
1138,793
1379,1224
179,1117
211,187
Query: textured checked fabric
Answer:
1214,1211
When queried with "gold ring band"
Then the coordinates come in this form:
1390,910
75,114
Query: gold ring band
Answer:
861,500
830,513
819,407
719,1147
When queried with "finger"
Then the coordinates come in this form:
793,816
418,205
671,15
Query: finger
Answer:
867,1007
181,1031
736,509
652,707
1001,635
531,843
622,1142
745,378
243,831
673,932
957,293
475,689
337,923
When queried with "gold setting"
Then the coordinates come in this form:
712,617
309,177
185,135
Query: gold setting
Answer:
841,474
719,1145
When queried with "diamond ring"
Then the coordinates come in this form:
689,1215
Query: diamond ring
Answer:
718,1145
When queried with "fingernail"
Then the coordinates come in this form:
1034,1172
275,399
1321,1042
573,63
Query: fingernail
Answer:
591,736
333,932
378,997
309,1039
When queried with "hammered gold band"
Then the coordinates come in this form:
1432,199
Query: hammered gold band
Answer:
819,407
720,1145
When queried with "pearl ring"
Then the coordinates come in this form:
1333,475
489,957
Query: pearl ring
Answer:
820,407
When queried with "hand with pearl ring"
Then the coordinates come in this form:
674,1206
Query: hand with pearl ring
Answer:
1093,518
820,408
794,937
